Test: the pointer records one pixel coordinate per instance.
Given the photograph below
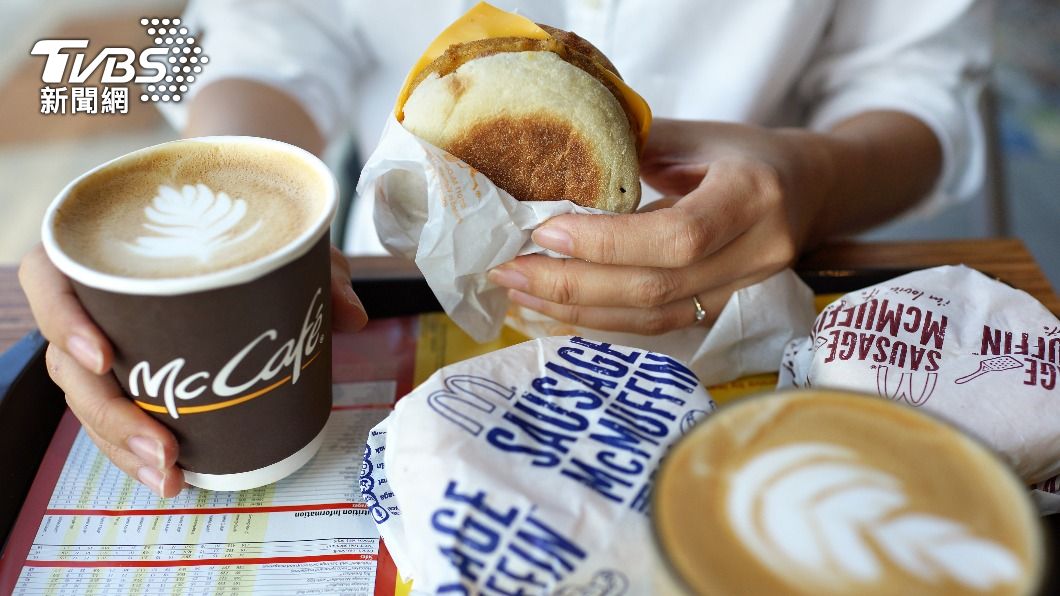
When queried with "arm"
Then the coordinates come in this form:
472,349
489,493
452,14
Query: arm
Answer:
881,164
865,171
890,100
251,108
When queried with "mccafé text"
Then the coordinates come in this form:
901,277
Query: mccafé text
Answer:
172,383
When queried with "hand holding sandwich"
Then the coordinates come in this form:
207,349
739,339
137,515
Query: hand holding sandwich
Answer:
742,203
545,116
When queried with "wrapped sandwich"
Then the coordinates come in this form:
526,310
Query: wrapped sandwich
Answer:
500,125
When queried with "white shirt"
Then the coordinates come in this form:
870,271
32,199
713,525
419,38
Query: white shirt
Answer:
809,63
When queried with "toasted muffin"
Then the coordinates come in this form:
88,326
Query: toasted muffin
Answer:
540,118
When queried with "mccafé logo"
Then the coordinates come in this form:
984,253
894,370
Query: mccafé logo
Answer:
171,382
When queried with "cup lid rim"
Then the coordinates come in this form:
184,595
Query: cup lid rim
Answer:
169,286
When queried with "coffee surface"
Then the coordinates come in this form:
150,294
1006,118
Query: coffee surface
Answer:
188,208
824,493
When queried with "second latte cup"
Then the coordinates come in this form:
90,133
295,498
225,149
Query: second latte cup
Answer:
206,263
823,492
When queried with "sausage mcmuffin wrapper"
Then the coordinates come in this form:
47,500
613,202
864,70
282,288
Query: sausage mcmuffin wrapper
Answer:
528,470
1047,495
436,210
954,342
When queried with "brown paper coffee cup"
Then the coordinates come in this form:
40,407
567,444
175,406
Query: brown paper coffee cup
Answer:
236,362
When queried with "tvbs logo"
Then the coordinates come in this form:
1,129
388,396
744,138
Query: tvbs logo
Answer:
119,64
165,69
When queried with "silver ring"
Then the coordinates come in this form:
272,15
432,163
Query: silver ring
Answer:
700,312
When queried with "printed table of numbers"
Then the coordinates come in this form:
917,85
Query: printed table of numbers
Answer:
104,533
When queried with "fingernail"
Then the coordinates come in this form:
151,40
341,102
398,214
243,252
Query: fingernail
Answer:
351,297
85,353
509,278
148,450
554,238
151,478
531,302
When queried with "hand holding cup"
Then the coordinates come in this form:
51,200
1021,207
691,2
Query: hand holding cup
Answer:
80,360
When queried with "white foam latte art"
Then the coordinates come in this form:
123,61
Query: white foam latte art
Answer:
193,222
811,512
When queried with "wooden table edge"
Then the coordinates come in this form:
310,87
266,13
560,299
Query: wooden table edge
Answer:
1004,258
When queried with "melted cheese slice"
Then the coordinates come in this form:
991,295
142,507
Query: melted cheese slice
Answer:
484,21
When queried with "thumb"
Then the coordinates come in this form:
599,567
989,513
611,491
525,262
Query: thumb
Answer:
661,203
689,141
676,155
679,152
347,312
676,179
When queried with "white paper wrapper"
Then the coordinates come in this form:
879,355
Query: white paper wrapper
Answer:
530,468
950,340
457,225
1047,496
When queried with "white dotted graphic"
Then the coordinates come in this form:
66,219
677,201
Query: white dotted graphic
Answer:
184,56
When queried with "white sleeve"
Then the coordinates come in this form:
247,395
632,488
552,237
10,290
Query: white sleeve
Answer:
305,48
928,59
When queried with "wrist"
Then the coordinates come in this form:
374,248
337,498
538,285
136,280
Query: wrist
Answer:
820,166
882,164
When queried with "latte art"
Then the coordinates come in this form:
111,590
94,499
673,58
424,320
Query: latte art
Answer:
194,222
831,493
189,208
812,513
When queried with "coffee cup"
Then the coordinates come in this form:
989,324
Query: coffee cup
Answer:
821,492
206,263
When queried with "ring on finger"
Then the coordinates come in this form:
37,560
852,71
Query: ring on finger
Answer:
701,313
